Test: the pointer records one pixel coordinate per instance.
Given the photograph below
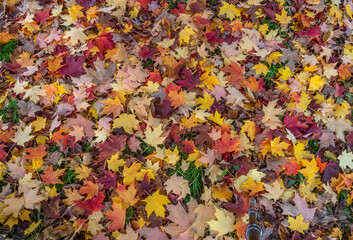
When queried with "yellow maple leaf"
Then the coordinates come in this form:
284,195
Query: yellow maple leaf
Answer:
316,83
260,68
32,227
283,17
208,80
298,224
115,162
274,57
127,121
299,151
131,173
39,124
75,12
184,35
253,186
310,169
229,10
277,148
285,73
250,128
190,122
206,102
83,171
155,204
194,157
216,117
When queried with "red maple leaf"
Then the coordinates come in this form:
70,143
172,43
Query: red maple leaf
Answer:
144,3
111,146
42,16
225,144
92,205
240,207
294,125
190,80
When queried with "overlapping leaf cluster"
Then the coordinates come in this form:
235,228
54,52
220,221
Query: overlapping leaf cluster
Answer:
149,119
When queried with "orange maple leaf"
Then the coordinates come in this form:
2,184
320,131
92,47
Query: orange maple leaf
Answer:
178,98
52,177
91,189
127,196
35,153
117,215
112,106
236,73
343,71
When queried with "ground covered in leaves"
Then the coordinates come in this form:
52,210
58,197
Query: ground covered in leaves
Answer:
156,120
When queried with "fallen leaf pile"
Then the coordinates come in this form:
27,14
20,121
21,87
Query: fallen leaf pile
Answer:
155,120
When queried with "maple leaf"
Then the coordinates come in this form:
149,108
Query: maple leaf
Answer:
93,204
294,125
254,85
127,197
240,207
298,224
283,17
181,219
117,215
127,121
225,144
113,106
36,153
23,136
250,128
253,186
76,35
300,203
216,117
178,98
131,173
54,64
224,223
236,73
310,169
184,35
91,189
73,66
274,191
292,167
229,10
270,118
155,204
153,137
260,68
277,148
75,12
52,177
108,180
190,80
206,102
113,145
346,159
